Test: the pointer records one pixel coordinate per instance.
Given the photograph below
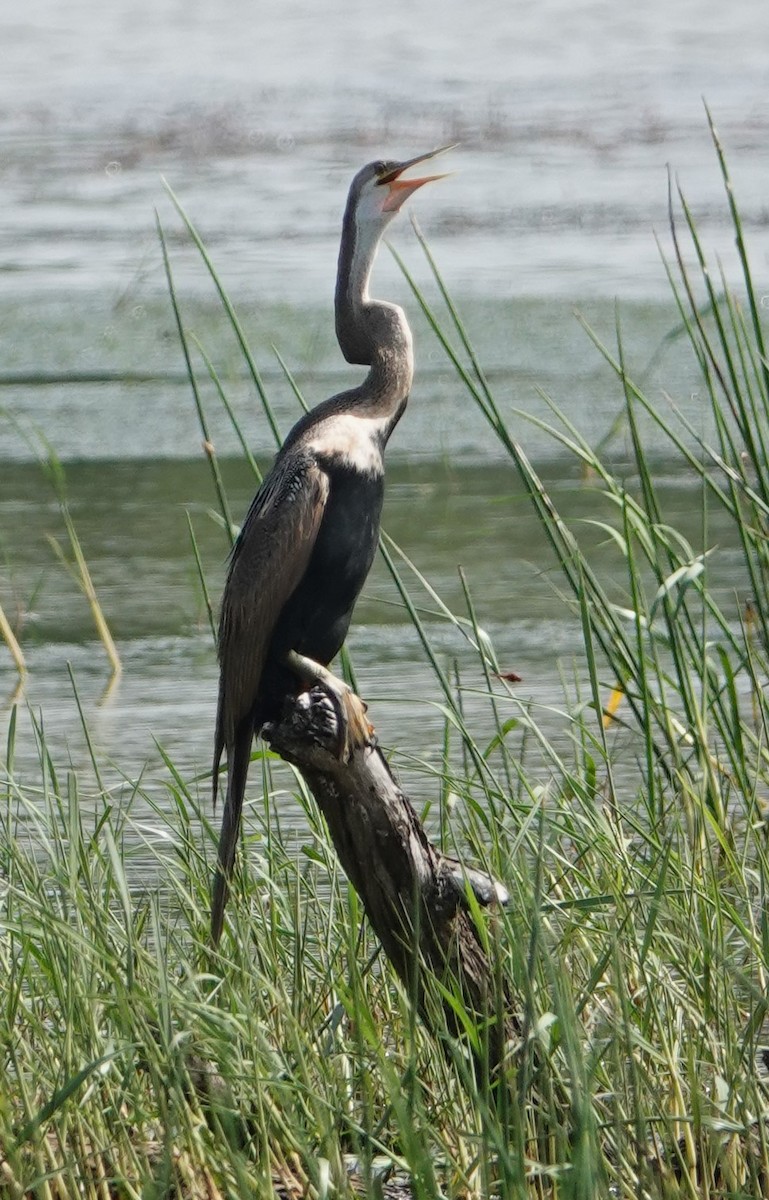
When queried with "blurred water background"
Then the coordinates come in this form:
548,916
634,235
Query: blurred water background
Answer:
568,116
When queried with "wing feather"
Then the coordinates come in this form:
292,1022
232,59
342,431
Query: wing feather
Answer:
269,559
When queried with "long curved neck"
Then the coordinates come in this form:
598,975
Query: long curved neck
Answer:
371,332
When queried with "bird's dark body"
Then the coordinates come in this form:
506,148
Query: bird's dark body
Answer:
315,619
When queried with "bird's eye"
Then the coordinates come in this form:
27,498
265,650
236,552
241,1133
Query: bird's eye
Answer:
387,171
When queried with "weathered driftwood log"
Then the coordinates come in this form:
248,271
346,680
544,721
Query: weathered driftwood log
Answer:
414,896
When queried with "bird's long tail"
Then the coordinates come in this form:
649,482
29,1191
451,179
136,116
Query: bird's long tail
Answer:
238,757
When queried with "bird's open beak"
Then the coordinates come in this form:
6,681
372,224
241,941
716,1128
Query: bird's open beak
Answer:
399,189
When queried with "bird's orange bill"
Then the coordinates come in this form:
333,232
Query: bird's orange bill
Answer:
401,189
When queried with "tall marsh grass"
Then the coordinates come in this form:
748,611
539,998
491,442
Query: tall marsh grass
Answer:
636,942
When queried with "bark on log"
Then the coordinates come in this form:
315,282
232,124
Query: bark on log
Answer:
415,897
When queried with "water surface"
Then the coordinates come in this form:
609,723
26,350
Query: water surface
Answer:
568,118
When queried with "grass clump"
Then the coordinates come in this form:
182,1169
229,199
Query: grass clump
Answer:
139,1063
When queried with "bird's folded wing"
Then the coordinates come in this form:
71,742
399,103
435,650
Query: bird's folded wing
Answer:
270,557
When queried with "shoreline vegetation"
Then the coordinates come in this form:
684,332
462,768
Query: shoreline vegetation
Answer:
139,1063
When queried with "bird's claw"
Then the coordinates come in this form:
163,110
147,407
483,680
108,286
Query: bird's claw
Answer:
323,711
352,729
339,716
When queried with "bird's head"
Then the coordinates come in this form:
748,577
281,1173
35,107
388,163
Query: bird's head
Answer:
376,195
379,190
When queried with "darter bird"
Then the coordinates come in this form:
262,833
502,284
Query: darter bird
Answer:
310,535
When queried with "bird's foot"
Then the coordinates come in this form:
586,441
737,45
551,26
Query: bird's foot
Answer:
345,710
